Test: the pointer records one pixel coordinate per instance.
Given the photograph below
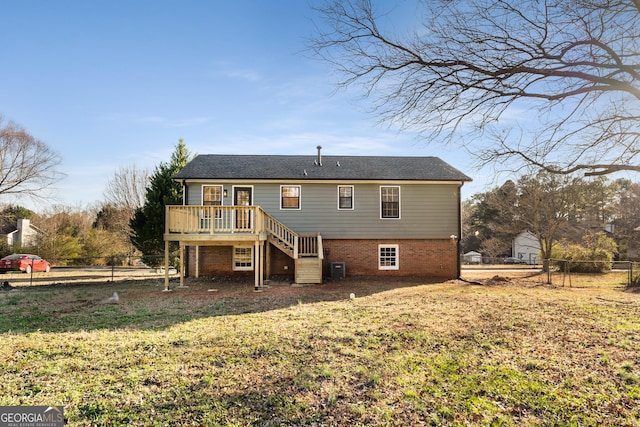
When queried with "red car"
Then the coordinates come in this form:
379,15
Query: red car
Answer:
23,262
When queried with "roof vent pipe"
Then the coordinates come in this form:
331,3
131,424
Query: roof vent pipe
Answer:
319,155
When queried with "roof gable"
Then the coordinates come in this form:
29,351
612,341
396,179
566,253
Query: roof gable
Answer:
7,229
288,167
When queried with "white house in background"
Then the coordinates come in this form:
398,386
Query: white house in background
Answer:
526,247
24,234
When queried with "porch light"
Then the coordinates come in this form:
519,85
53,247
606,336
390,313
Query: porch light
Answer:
225,193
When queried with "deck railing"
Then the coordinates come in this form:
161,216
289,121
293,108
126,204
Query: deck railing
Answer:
308,245
214,219
189,219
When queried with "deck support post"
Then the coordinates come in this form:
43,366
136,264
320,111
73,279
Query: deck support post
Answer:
197,261
166,266
257,265
261,246
182,285
267,260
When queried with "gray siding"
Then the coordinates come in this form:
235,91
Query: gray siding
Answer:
427,211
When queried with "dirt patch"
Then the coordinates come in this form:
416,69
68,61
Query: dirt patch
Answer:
277,293
498,280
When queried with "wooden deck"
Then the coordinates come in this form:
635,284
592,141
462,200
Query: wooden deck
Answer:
186,221
230,225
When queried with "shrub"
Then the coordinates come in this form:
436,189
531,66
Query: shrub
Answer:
595,255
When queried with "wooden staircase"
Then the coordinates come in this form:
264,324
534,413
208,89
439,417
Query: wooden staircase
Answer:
306,250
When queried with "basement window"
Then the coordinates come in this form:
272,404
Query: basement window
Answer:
242,258
388,257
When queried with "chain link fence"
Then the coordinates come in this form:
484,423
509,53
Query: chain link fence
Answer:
94,269
561,272
564,272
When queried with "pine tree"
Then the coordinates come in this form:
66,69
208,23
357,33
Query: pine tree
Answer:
148,222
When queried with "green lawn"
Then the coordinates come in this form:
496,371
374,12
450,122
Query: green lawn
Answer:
398,354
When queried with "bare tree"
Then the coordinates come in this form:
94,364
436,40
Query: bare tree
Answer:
127,188
125,193
553,83
493,247
628,219
27,165
550,206
546,205
62,230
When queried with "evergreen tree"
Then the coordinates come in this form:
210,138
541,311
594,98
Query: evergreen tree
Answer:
147,224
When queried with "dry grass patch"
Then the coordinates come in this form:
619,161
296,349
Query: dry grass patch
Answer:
514,353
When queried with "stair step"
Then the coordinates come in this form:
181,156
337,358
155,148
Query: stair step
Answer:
308,270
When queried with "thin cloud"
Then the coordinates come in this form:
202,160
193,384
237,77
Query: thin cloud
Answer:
158,120
149,119
231,71
192,121
333,143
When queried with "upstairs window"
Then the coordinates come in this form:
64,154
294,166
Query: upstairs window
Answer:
390,202
290,197
212,195
345,197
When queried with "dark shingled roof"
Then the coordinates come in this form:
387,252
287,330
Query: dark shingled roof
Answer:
283,167
7,229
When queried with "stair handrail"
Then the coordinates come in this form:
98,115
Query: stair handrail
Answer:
282,233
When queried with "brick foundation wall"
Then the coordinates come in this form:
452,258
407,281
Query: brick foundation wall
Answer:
281,263
214,260
218,260
417,257
436,258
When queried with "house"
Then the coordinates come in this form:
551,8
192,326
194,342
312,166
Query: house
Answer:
21,235
472,257
306,216
526,246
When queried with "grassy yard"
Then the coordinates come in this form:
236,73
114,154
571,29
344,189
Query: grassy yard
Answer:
510,352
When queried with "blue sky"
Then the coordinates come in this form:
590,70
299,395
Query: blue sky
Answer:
117,83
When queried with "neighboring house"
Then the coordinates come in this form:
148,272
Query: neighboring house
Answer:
526,246
23,234
472,257
306,215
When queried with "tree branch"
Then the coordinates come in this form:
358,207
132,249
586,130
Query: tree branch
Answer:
573,66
